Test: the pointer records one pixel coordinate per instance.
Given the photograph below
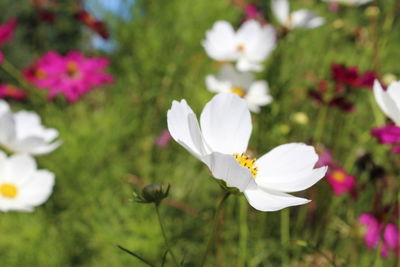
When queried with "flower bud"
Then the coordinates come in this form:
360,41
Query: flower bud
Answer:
152,193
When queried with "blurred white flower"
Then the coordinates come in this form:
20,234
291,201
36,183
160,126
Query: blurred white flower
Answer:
22,132
241,83
221,143
249,46
350,2
22,185
389,100
298,19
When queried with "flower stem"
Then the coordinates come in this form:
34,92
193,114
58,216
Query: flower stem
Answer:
320,124
243,232
215,226
165,236
285,234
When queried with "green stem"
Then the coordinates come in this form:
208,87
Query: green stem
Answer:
243,232
320,124
215,226
285,234
165,237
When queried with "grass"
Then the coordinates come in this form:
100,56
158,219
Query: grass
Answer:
108,150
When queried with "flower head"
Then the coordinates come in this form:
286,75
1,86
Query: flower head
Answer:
389,100
241,83
349,76
22,185
389,134
221,143
340,181
23,132
10,91
7,31
250,45
72,75
299,19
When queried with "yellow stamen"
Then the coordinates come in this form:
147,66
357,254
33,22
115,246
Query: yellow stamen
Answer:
338,175
8,190
40,73
72,69
240,47
247,162
239,91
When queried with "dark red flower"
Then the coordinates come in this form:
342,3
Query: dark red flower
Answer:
96,25
350,76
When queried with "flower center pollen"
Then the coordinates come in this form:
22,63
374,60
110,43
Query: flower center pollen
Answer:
248,162
72,69
339,176
240,47
8,190
239,91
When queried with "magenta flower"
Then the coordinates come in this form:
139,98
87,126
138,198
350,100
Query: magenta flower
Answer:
340,181
376,233
389,134
163,139
11,92
7,31
72,75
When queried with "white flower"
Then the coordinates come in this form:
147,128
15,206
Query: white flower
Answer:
389,100
350,2
241,83
249,46
299,19
22,132
221,143
22,185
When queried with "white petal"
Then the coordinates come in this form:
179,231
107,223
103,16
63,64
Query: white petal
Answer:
184,128
386,102
220,43
226,124
280,8
215,85
306,19
226,168
244,64
19,168
33,145
236,79
268,200
7,124
289,168
38,189
257,96
259,47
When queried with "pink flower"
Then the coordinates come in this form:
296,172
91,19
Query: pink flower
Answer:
72,75
1,57
376,233
7,31
389,134
340,181
10,91
163,139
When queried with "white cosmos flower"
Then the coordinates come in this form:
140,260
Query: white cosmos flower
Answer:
250,45
241,83
23,132
389,100
220,141
298,19
350,2
22,185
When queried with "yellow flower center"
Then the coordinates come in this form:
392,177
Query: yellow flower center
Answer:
239,91
240,47
247,162
338,176
72,69
8,190
40,73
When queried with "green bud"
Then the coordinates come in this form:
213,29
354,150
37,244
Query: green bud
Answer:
152,193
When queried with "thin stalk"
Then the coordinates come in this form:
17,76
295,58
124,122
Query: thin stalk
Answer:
215,226
243,232
320,124
285,234
136,256
165,237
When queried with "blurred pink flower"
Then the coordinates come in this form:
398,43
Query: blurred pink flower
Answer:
340,181
163,139
7,31
389,134
375,232
72,75
1,57
252,12
10,91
